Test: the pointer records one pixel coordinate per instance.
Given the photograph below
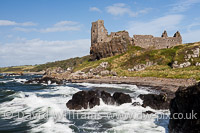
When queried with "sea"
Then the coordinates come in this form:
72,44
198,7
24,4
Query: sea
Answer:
41,108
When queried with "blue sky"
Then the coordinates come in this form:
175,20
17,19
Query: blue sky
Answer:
40,31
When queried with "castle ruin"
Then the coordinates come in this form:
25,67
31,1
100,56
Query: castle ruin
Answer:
104,45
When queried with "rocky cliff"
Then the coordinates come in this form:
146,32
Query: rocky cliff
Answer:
116,45
104,45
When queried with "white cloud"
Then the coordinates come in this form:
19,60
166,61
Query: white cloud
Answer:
155,26
25,29
27,24
95,9
38,51
183,5
64,23
58,27
7,23
120,9
192,33
13,23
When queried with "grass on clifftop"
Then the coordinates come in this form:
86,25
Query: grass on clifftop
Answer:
134,56
72,62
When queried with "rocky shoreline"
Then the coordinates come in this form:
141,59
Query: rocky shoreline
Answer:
162,84
177,95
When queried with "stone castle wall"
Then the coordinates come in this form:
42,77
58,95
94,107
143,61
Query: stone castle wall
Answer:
104,45
149,41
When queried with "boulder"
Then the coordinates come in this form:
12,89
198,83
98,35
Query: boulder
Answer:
105,73
121,98
102,67
107,98
141,67
89,99
45,80
186,104
78,75
136,104
84,99
148,112
51,72
155,101
113,73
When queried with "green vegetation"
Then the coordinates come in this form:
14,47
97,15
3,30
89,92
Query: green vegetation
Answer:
134,56
72,62
163,57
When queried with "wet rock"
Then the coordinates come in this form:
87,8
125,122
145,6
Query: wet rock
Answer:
136,104
84,99
89,99
148,112
185,103
107,98
1,77
155,101
14,74
44,80
121,98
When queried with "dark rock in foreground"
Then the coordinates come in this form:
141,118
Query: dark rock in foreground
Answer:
84,99
89,99
185,103
155,101
136,104
121,98
148,112
107,98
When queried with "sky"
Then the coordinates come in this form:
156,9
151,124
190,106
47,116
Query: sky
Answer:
39,31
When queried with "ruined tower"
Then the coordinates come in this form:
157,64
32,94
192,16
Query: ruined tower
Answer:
98,32
164,34
104,45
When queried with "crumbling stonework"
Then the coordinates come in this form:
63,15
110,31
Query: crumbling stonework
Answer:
104,45
149,41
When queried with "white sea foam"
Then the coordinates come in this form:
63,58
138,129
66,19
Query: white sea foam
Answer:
20,80
56,100
29,102
5,81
